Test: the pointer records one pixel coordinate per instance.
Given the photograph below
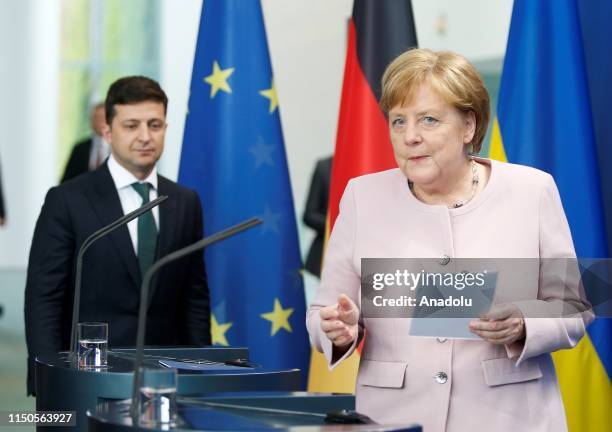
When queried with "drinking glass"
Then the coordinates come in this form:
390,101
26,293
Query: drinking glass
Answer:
158,397
93,345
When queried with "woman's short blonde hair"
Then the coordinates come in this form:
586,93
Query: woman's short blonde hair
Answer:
454,78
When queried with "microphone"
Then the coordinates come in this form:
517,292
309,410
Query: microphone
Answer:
144,295
79,263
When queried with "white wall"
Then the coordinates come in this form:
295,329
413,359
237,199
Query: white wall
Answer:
477,29
29,36
308,48
307,40
179,30
29,70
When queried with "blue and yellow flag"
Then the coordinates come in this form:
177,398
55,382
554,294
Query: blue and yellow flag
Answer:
233,155
544,120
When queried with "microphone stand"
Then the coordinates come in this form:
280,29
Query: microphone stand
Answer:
144,296
79,263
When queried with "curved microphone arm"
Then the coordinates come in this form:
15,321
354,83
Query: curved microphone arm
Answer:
76,305
144,296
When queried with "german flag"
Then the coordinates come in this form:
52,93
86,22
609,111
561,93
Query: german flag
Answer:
379,30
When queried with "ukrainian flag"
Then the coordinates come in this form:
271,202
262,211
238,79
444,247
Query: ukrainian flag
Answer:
544,120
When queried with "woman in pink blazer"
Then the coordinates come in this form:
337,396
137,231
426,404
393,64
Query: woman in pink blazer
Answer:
443,203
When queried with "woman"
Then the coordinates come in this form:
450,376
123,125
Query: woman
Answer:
441,202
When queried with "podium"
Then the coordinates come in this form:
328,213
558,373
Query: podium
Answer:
59,387
245,411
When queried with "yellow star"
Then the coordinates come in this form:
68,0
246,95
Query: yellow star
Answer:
271,94
279,317
217,331
218,79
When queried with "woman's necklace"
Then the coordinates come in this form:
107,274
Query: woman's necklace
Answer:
475,181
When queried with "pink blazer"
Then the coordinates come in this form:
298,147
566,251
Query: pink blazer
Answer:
451,385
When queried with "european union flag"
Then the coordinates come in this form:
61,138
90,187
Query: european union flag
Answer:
233,155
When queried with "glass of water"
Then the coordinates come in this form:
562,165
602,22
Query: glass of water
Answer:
93,345
158,397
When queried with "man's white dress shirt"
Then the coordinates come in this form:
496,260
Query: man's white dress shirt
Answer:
130,199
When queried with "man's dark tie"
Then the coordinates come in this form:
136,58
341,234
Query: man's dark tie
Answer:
147,231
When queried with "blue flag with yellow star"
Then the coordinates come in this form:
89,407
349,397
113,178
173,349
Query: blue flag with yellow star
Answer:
233,154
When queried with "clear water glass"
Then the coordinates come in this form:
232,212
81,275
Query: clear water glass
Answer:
92,347
158,397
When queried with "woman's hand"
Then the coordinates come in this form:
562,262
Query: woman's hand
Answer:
502,325
339,322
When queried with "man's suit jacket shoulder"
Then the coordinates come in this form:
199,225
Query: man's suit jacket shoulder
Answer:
78,163
174,188
181,224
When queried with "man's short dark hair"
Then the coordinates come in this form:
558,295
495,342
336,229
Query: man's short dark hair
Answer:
132,90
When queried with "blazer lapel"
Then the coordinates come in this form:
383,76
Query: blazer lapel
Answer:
167,227
105,202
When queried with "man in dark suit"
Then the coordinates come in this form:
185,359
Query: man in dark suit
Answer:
179,311
315,214
90,153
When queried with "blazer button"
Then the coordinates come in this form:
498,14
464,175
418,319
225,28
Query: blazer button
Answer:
441,377
444,259
441,340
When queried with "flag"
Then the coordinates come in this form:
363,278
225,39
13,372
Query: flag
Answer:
233,155
595,15
379,30
544,120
